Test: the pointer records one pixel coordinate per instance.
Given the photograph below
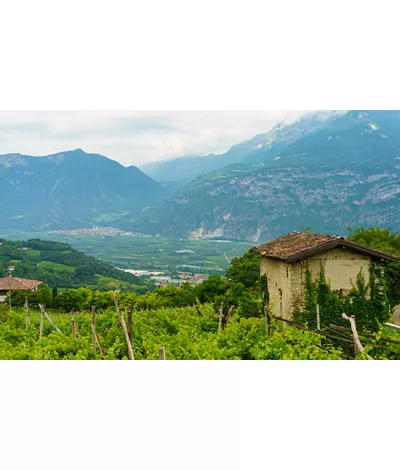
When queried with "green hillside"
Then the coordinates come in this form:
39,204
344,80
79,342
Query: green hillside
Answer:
60,265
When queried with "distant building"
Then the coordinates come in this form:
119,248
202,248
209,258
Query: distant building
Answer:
285,260
8,284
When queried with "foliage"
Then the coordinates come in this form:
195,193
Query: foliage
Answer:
245,269
384,240
367,302
183,332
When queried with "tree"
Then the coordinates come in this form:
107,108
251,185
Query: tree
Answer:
44,295
213,287
54,295
245,270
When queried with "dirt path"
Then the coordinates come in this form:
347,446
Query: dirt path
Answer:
227,259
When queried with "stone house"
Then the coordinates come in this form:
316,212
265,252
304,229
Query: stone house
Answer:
285,260
9,283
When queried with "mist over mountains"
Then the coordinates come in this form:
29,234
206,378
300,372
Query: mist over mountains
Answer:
178,172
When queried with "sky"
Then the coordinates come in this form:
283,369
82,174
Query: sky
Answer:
133,137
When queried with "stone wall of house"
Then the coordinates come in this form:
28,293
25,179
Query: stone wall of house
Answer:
286,281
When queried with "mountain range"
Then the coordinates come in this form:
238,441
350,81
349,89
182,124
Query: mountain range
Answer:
71,190
324,171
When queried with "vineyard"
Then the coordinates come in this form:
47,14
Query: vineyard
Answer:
187,333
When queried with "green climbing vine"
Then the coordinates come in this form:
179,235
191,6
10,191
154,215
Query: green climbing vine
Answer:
368,302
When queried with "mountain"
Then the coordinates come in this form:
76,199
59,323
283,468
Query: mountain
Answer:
71,190
329,173
175,174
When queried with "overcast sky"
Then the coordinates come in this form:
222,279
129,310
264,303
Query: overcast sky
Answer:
132,137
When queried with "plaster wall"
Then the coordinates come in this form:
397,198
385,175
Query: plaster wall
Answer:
286,281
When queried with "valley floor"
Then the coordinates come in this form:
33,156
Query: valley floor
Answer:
148,253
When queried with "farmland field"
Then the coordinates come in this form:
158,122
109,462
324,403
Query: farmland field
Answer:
148,252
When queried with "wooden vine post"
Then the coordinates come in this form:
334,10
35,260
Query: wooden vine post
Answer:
43,309
358,347
318,319
93,331
92,326
41,321
229,314
123,324
162,354
128,341
27,319
76,328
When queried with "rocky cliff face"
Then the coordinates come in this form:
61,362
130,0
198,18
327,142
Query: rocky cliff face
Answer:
345,173
264,204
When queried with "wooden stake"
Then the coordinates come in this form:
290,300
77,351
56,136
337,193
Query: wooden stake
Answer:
229,315
198,310
392,326
266,315
42,308
162,355
41,322
318,319
27,319
130,327
93,334
76,328
92,326
358,347
130,350
116,304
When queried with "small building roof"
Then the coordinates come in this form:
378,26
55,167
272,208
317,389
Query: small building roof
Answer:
299,245
17,283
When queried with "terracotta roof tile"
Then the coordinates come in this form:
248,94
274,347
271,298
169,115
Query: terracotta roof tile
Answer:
16,283
298,245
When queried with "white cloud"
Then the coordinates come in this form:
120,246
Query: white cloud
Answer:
132,137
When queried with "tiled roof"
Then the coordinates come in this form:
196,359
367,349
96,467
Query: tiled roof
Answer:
16,283
298,245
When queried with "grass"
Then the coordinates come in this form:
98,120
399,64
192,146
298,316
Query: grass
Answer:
56,266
